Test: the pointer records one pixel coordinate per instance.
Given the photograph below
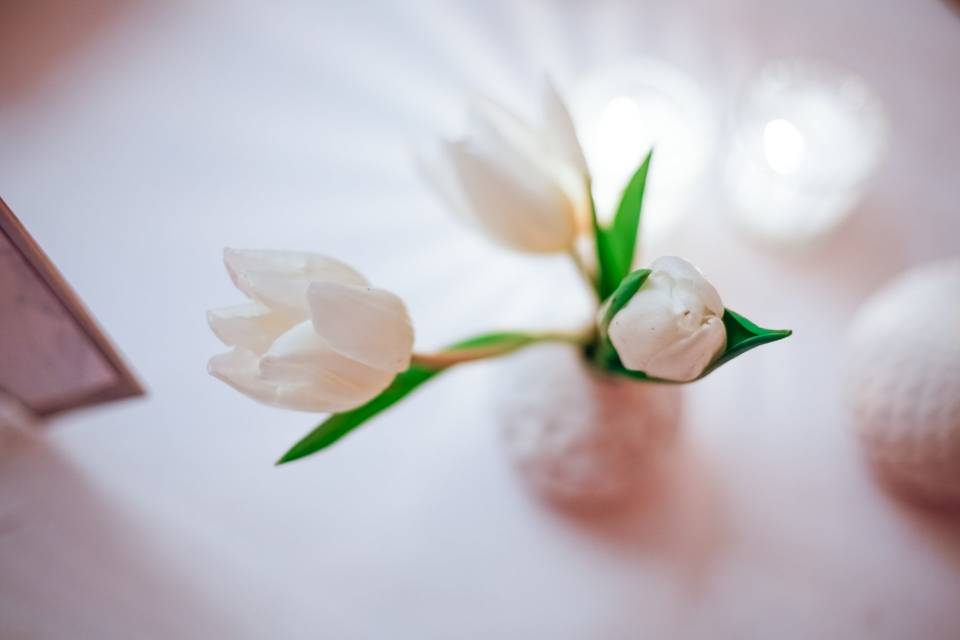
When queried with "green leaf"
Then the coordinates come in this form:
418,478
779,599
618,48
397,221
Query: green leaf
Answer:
500,341
340,424
616,246
619,299
626,223
607,260
742,336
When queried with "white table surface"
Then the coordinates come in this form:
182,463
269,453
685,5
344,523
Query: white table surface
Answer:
138,138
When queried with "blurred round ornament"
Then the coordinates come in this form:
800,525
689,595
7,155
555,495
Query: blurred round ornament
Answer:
903,381
625,110
580,438
808,137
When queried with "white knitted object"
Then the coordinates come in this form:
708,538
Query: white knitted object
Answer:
903,379
576,436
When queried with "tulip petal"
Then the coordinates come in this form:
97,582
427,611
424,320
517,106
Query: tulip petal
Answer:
667,329
559,128
251,325
438,175
686,274
279,279
515,202
308,370
238,368
643,328
368,325
493,125
505,137
686,359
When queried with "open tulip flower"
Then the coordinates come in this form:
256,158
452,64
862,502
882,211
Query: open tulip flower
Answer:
315,336
524,186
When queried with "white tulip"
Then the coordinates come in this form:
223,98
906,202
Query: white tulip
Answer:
672,328
523,186
315,335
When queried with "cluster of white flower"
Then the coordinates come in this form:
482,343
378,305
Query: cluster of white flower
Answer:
315,336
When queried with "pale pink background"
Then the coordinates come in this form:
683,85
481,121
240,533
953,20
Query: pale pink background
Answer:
138,138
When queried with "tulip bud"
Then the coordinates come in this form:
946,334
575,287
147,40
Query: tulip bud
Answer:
523,186
672,327
315,335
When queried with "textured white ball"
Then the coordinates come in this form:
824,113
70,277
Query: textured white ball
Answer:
578,437
903,380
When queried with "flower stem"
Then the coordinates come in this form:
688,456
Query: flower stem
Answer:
451,357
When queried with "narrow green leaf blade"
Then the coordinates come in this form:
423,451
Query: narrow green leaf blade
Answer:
608,265
742,336
623,293
607,261
616,245
498,340
626,223
340,424
604,354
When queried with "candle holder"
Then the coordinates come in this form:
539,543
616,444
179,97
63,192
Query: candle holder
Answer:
634,106
808,137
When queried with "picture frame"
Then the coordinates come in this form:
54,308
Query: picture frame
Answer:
53,354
